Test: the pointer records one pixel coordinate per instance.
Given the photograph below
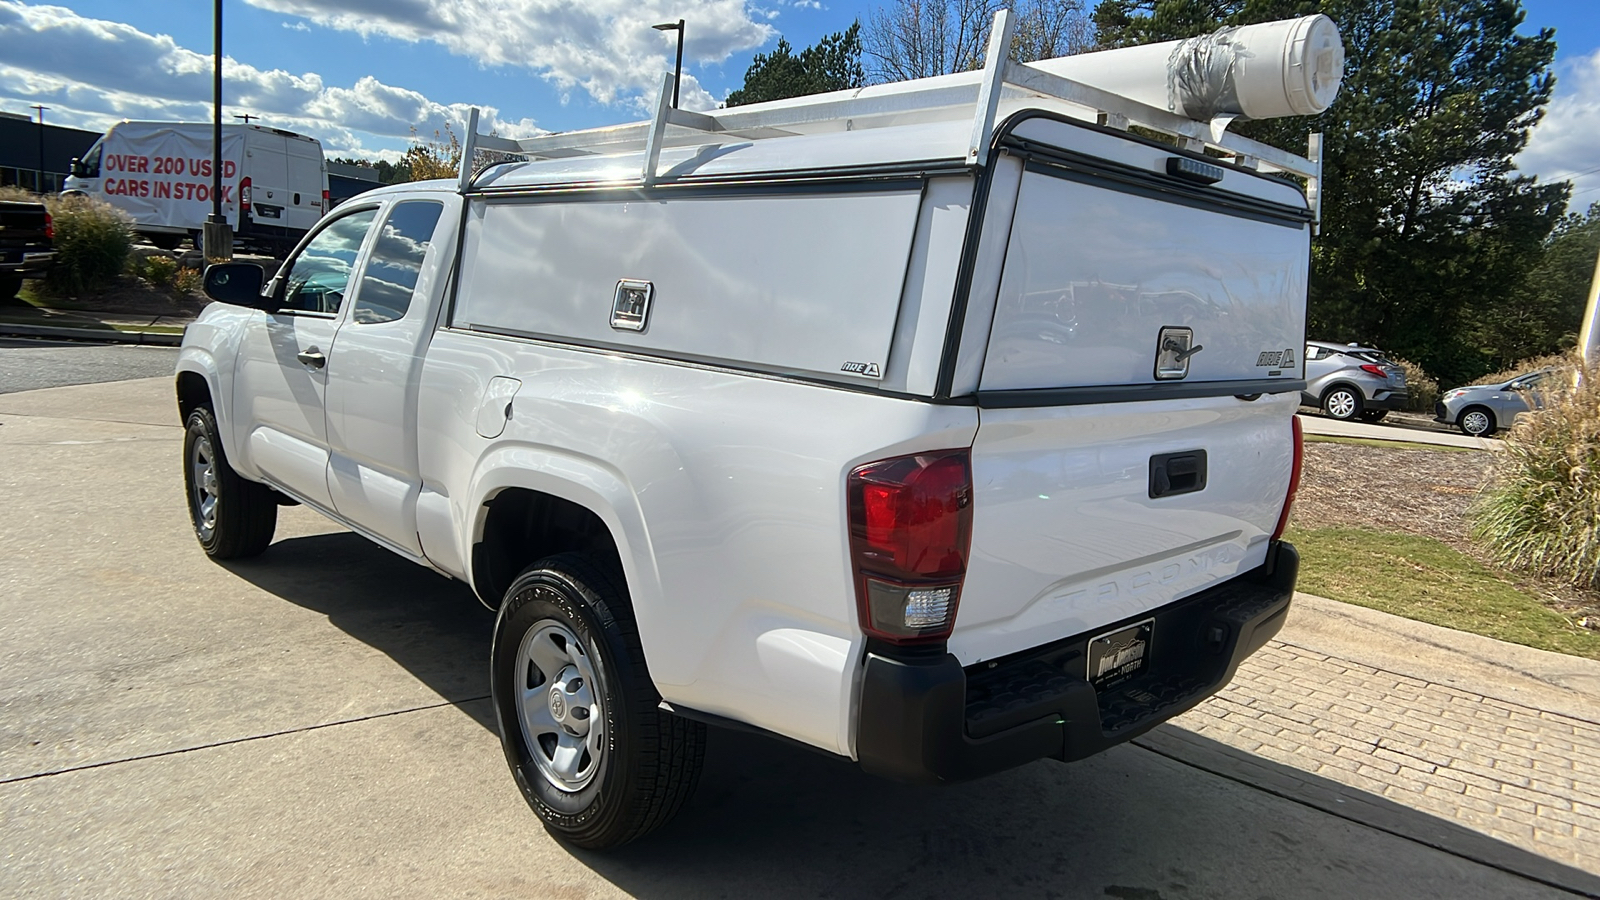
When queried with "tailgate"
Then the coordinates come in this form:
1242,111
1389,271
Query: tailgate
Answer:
1107,480
23,225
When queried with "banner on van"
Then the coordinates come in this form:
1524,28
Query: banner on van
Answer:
164,177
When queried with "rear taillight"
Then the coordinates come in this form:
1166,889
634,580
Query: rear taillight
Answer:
324,202
910,531
1375,370
1294,479
49,227
244,194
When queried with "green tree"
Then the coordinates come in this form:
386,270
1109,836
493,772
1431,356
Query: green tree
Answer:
1427,225
1543,316
833,64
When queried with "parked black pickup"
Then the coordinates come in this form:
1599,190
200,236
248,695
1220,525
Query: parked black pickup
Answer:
26,244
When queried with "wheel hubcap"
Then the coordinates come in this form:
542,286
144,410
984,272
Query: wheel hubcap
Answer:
1342,405
204,475
1475,423
558,706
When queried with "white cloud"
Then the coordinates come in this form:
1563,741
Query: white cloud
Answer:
1565,144
93,72
296,26
604,47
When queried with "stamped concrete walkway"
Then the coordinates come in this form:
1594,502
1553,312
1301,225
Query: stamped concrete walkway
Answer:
1501,739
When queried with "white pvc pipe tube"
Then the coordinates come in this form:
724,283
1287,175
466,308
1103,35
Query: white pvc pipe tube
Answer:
1265,71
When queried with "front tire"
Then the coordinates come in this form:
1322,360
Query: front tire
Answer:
1342,403
233,518
580,721
1476,421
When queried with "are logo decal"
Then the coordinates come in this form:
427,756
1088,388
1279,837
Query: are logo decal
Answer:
1277,359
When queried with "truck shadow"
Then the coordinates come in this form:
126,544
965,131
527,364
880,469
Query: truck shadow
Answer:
1176,816
432,626
773,820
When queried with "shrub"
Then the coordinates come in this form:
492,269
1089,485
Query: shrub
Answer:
187,281
92,243
1421,390
159,270
1541,510
1532,364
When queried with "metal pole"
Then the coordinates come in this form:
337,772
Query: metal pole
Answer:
38,175
216,115
677,69
216,235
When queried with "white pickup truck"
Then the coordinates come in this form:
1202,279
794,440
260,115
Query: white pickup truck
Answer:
940,426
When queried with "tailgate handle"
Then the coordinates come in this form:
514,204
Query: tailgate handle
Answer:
1177,473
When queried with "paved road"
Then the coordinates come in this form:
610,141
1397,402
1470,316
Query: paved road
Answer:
313,724
27,365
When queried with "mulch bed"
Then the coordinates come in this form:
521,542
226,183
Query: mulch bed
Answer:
1421,492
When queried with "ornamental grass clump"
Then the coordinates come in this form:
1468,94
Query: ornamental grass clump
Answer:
1540,512
92,243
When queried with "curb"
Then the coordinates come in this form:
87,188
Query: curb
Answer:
109,336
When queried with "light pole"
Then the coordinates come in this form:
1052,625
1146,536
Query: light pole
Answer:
216,236
39,175
677,70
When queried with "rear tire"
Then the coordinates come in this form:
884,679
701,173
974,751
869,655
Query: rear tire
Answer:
233,518
1374,415
1342,402
9,286
1477,421
587,742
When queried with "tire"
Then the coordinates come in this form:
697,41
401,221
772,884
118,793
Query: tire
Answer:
1374,415
1477,421
1342,402
240,517
597,790
9,286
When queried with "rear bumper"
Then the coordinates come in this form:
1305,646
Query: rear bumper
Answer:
1388,400
926,719
27,263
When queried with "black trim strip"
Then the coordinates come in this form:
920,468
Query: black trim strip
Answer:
692,362
1139,183
1133,393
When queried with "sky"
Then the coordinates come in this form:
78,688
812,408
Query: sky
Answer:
360,75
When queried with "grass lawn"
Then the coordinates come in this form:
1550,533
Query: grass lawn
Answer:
1427,580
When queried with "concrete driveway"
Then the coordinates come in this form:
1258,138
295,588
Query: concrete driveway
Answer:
313,723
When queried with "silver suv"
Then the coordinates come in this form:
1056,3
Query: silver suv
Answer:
1349,381
1482,409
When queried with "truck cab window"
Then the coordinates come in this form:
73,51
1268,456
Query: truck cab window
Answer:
320,275
396,261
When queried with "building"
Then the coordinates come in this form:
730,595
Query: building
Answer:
346,181
20,146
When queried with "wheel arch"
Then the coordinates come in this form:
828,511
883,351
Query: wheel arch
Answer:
531,503
1494,418
1341,383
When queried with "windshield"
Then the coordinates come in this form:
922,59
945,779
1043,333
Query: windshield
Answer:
91,160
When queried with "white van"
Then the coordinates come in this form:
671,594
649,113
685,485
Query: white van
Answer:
274,182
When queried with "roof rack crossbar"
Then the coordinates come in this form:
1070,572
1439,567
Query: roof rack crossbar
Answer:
980,92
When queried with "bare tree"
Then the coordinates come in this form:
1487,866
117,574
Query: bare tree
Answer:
908,39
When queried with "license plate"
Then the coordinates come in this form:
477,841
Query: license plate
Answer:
268,212
1120,655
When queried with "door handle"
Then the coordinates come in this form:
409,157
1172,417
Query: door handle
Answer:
312,357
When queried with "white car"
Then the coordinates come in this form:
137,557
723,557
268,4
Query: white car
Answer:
937,465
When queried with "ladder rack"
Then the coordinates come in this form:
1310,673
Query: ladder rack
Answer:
975,94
